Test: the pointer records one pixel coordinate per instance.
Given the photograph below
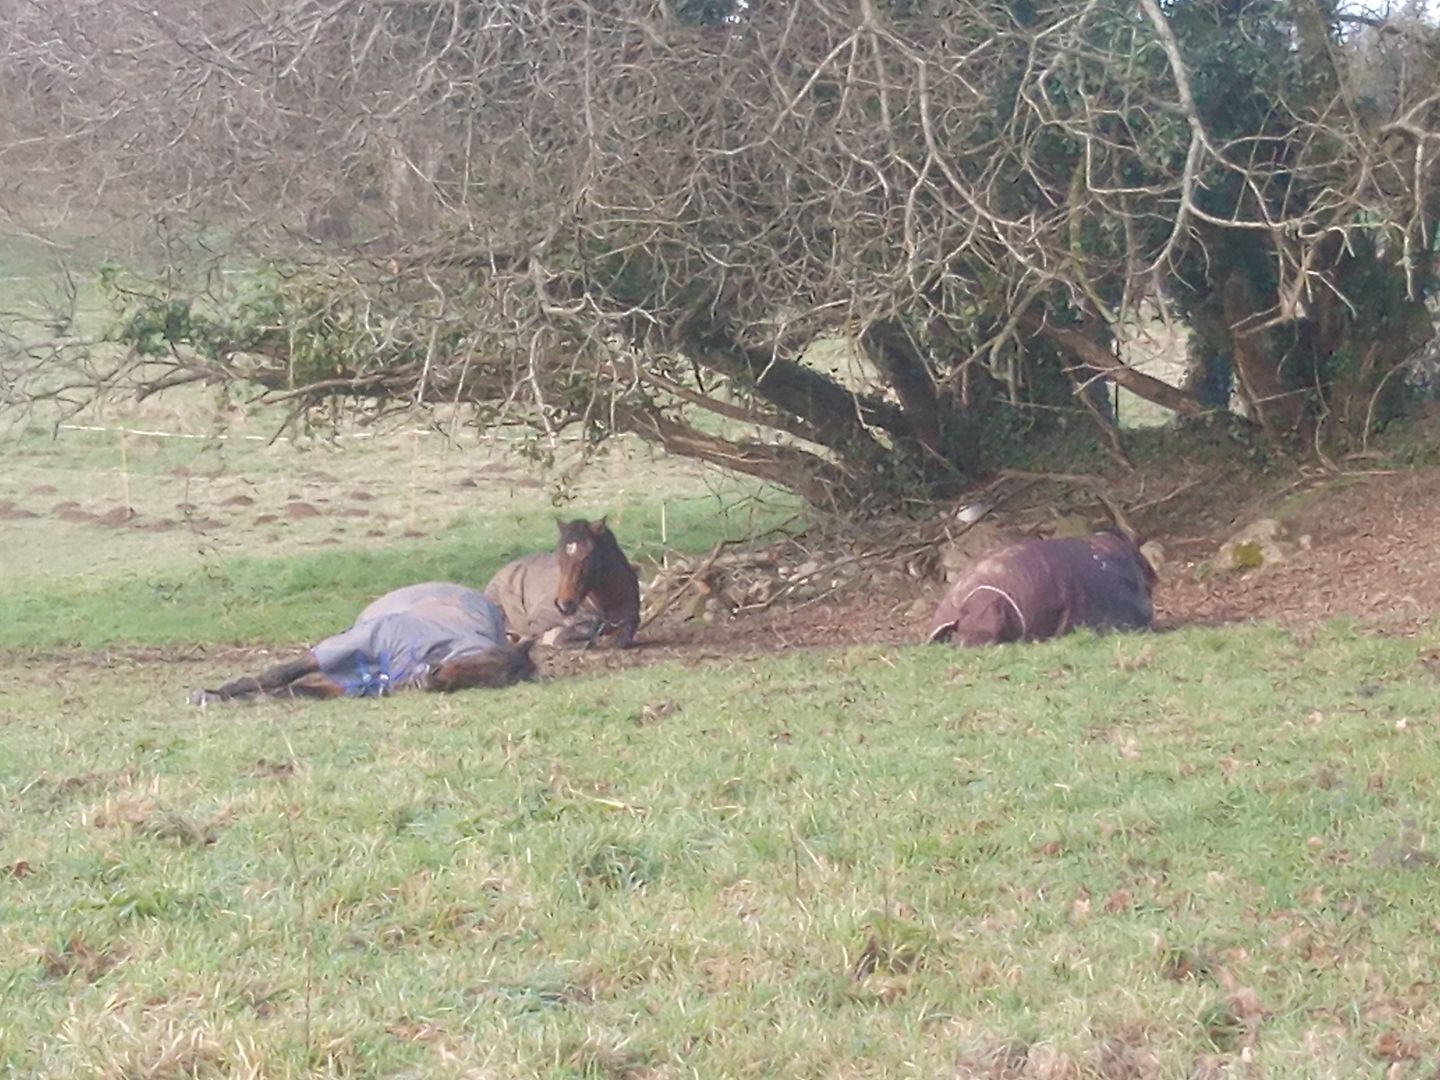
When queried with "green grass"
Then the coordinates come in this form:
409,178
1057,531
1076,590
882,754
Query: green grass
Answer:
1113,857
222,571
303,598
1188,855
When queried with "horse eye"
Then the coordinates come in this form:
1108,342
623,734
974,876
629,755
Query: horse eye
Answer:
571,548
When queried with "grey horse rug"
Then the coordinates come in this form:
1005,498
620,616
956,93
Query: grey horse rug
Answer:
1039,589
402,636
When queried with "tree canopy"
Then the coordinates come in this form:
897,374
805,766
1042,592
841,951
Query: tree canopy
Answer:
631,215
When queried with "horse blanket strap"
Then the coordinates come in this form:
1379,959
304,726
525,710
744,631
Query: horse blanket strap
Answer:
1024,630
400,637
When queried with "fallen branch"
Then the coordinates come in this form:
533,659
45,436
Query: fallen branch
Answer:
690,576
1097,487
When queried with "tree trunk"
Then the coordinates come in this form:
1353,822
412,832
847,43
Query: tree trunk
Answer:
1209,375
841,420
1090,352
891,350
948,434
1275,403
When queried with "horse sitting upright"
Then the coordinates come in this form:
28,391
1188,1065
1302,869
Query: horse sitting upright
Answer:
1039,589
434,636
583,589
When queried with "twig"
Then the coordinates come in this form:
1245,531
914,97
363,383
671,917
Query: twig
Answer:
1375,397
1186,486
1094,485
690,577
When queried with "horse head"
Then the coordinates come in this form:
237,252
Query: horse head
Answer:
1126,543
576,555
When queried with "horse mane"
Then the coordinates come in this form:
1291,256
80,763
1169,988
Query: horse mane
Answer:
607,540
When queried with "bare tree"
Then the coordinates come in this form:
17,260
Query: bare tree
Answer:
623,215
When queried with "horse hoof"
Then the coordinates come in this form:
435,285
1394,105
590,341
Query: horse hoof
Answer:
199,697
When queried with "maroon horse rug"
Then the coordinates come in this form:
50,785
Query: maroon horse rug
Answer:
581,591
1038,589
435,636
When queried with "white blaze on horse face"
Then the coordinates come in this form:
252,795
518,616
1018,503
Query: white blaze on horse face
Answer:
571,548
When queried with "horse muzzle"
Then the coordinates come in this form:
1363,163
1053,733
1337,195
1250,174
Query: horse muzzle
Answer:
567,607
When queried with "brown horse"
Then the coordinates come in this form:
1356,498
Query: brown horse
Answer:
582,590
1039,589
435,636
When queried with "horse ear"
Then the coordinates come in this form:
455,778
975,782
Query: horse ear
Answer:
597,528
560,524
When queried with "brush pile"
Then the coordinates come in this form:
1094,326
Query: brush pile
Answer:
738,578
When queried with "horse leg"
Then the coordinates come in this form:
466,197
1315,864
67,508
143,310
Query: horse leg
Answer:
624,627
582,630
627,631
589,635
295,678
269,681
315,685
596,631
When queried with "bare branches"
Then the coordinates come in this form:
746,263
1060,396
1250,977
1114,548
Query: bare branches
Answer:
604,214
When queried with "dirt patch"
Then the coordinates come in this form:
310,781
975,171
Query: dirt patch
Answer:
159,525
115,517
78,957
275,770
298,511
1373,557
869,620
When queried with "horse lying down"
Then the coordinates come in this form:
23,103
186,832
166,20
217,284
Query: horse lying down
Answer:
1039,589
574,595
434,636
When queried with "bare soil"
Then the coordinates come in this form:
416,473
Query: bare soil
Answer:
1372,556
1370,553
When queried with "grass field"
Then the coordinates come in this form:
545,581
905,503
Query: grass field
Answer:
1110,858
236,541
1197,854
